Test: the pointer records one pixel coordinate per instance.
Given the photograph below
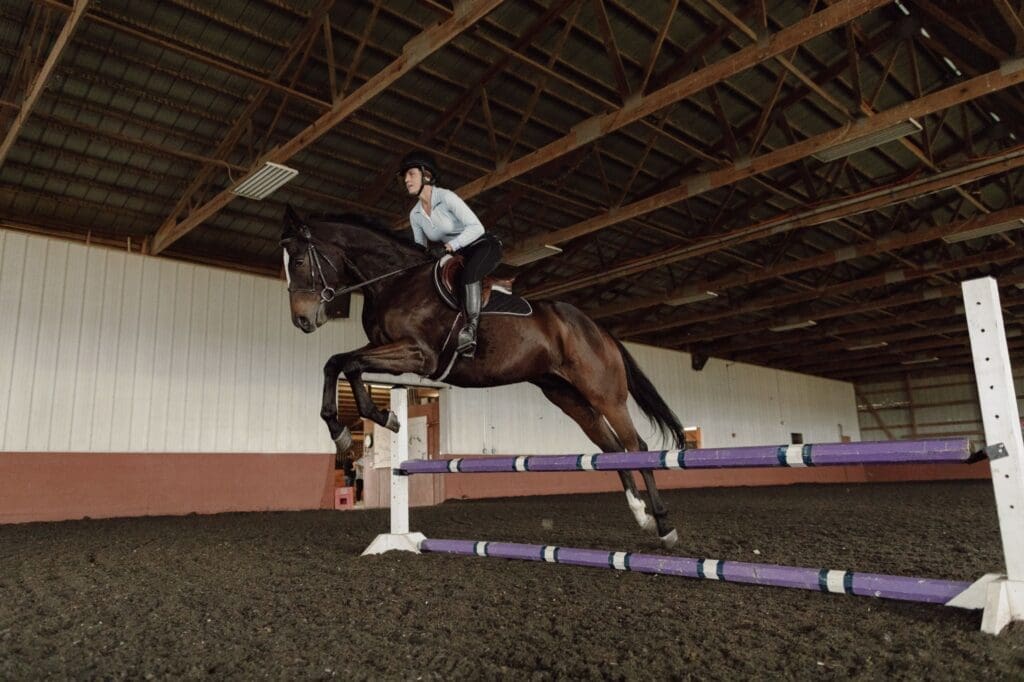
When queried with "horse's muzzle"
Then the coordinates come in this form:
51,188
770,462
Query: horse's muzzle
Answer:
304,323
310,324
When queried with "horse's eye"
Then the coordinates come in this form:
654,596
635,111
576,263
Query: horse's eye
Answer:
298,261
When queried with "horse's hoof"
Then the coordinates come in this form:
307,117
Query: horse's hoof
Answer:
669,541
392,422
343,443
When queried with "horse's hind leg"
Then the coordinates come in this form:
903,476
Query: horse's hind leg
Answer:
622,424
596,427
668,535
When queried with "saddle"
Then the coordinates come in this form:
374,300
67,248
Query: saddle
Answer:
496,296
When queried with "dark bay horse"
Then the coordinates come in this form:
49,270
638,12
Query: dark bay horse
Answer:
577,365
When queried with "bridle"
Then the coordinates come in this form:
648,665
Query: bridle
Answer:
317,259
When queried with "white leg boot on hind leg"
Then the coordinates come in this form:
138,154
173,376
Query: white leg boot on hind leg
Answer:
639,509
669,540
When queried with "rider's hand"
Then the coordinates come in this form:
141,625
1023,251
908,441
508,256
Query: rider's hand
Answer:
449,248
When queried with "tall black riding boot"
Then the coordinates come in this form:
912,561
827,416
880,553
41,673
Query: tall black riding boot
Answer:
467,335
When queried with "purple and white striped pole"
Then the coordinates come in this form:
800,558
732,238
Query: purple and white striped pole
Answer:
943,450
932,591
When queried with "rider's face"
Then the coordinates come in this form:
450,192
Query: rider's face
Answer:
413,180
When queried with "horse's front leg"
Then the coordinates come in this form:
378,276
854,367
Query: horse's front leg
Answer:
393,358
340,433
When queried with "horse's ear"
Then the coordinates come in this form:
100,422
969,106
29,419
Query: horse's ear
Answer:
292,221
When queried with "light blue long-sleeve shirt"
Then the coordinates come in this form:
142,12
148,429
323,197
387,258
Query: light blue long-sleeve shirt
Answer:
450,221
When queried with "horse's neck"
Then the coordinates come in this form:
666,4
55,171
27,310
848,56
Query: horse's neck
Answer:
367,258
382,297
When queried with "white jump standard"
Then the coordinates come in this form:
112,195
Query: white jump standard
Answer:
1000,596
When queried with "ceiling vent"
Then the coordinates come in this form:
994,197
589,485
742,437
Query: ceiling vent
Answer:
265,181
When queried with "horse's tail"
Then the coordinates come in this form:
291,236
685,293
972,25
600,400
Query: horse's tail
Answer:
649,400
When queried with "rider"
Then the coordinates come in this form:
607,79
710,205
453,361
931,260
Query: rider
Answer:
440,215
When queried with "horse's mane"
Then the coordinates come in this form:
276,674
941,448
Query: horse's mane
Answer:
400,240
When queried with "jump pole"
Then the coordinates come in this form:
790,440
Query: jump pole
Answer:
1001,596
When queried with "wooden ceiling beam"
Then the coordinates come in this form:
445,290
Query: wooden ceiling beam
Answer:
35,89
376,188
867,107
1011,74
612,48
353,65
641,106
937,16
810,363
948,363
540,85
843,346
870,247
875,281
826,332
1011,16
816,215
652,59
416,50
200,56
925,295
783,60
234,133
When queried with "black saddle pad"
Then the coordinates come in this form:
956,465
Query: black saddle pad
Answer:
504,303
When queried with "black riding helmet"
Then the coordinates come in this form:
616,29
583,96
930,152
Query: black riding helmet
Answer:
422,160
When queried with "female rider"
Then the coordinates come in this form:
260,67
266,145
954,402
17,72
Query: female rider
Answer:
440,215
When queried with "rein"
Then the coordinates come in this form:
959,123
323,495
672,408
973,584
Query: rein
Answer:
327,292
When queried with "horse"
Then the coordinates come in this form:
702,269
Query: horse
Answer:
576,364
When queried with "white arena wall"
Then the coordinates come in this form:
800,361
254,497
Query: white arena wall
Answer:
183,387
106,351
732,403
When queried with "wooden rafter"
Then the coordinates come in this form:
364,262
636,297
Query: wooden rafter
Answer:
832,210
1011,16
785,60
652,59
354,64
863,249
538,88
927,294
234,134
485,105
723,122
876,281
459,108
871,329
618,70
416,50
41,78
694,186
283,104
598,126
332,71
